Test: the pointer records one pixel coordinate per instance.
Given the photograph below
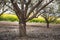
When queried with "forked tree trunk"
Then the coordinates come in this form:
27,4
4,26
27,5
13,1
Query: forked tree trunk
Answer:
22,29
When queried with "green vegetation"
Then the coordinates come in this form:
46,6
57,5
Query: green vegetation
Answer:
57,21
12,17
39,19
8,17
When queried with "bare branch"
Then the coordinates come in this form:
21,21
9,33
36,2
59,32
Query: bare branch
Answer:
16,9
39,10
26,7
34,8
38,15
22,4
44,6
3,12
10,7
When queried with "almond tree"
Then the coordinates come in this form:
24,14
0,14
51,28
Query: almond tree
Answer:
24,9
49,13
49,18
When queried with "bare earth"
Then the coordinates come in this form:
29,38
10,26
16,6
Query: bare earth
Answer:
35,31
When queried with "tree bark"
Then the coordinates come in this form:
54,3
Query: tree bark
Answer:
47,24
47,21
22,28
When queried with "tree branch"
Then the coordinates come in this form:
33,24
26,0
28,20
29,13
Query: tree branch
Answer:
3,12
39,10
16,9
26,7
10,7
34,8
44,6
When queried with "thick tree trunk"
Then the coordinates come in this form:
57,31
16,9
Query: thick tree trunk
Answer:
22,29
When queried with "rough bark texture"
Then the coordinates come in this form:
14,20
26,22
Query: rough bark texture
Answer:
22,28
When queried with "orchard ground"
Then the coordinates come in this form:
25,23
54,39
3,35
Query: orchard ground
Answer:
35,31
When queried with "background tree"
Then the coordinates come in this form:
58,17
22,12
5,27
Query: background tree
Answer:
49,13
49,17
24,9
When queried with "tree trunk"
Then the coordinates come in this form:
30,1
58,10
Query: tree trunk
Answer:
47,24
47,21
22,29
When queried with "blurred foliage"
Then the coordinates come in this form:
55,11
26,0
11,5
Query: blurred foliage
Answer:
57,21
39,19
8,17
12,18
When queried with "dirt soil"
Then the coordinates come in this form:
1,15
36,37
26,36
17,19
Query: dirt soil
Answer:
35,31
